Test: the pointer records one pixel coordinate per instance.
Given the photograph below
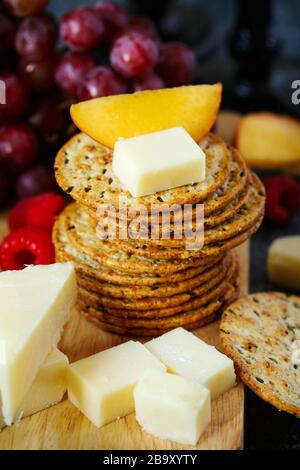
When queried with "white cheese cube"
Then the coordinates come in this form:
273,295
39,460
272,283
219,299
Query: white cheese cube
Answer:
284,262
35,303
186,355
158,161
102,385
172,407
48,387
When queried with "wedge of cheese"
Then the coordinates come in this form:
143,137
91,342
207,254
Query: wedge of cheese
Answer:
35,304
48,387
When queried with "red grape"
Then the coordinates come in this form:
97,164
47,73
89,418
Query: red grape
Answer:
113,17
101,81
47,117
143,25
71,70
7,33
150,82
18,148
36,37
177,64
38,179
4,189
81,29
134,55
16,97
25,7
38,75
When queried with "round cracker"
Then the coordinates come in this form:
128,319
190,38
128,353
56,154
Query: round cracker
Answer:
72,222
245,217
195,302
83,169
257,332
164,290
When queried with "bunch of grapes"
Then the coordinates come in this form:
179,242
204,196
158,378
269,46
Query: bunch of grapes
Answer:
104,52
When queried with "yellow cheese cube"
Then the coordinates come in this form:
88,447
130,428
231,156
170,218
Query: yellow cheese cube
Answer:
35,303
158,161
101,386
284,262
186,355
172,407
48,387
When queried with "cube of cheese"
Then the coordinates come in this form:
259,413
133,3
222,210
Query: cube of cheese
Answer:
35,303
172,407
48,387
186,355
284,262
101,386
158,161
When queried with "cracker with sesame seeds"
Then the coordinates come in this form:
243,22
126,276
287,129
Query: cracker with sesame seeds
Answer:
83,169
258,332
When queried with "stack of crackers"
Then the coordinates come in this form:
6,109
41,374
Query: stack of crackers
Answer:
146,286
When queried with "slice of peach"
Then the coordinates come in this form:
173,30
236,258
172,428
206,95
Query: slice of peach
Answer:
268,140
107,119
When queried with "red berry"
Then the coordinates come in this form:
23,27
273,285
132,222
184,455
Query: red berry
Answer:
143,25
177,64
47,117
71,70
16,97
36,37
150,82
37,180
38,75
100,81
24,246
81,29
113,17
18,148
283,198
37,211
7,34
4,189
134,55
25,7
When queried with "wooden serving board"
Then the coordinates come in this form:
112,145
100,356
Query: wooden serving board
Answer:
64,427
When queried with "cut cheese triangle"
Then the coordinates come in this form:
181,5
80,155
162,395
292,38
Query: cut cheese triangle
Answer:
48,387
35,303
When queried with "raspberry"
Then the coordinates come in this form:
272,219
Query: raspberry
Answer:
24,246
283,198
37,211
134,55
177,64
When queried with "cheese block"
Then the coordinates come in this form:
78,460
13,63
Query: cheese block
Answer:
172,407
158,161
101,386
186,355
284,262
35,303
48,387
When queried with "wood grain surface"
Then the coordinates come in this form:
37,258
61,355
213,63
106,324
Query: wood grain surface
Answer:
64,427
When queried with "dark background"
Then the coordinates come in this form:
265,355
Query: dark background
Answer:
208,26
